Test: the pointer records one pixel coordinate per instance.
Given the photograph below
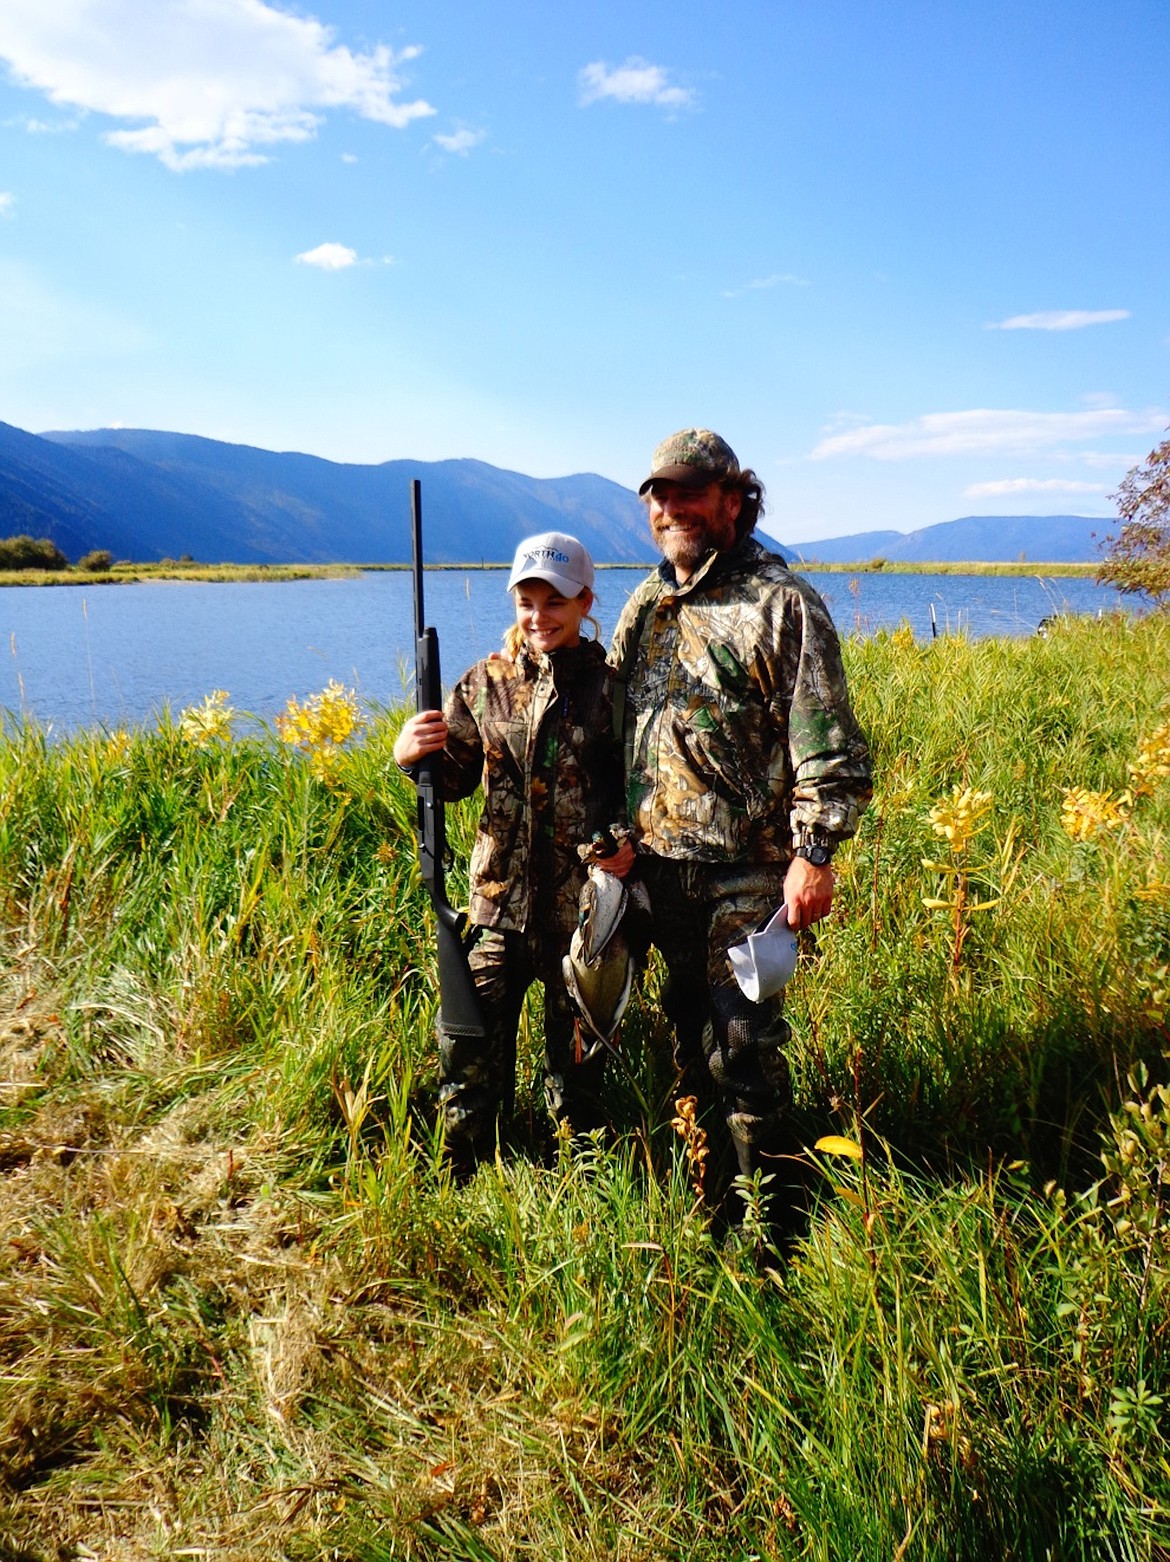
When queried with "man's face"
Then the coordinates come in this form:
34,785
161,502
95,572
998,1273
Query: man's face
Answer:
687,523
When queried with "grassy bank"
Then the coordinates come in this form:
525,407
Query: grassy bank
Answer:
1017,567
133,574
247,1316
130,574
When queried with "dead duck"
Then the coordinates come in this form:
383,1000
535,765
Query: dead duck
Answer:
609,940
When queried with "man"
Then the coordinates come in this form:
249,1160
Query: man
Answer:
745,770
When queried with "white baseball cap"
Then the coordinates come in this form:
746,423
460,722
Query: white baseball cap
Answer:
766,959
556,557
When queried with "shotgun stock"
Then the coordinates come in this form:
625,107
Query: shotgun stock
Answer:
459,1012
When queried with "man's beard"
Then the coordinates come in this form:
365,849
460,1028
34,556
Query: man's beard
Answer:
688,550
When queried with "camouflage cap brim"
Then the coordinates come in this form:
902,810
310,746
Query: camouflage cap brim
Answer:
693,457
688,476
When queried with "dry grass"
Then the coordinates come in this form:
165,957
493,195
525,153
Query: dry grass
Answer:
197,1361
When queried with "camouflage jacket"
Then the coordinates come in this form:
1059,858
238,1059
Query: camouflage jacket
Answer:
740,742
538,735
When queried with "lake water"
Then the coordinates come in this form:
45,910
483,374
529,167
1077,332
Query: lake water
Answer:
75,656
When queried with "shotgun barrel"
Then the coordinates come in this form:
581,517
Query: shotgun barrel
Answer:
459,1012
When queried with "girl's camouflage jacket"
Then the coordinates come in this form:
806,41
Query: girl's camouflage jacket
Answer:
538,734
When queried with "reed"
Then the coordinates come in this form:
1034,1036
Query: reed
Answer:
247,1314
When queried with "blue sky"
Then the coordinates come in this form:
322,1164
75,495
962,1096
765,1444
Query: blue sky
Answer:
910,259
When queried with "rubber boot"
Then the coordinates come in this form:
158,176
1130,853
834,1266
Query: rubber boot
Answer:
575,1096
782,1208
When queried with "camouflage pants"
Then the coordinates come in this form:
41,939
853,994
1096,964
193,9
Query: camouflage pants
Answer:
478,1078
722,1040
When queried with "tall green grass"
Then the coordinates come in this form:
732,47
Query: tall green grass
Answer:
247,1314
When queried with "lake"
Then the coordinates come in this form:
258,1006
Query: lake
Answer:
76,656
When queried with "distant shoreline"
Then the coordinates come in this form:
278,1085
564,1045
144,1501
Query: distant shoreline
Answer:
980,567
139,574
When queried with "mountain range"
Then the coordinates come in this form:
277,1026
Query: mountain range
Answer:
147,495
1039,539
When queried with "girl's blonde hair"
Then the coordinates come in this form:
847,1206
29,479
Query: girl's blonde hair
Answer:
514,641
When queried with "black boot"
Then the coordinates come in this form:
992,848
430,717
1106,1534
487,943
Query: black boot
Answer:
574,1095
773,1211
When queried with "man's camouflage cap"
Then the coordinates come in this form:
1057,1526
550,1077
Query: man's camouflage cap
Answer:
693,457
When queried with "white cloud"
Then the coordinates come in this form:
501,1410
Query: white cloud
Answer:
1099,399
1109,461
1060,320
637,81
41,127
328,257
982,430
1033,485
201,83
760,284
461,141
7,202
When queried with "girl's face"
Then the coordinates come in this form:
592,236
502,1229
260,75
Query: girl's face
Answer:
549,621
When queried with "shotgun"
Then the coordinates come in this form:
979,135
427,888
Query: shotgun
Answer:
459,1012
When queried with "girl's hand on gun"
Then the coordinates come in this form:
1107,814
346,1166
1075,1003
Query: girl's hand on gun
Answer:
423,734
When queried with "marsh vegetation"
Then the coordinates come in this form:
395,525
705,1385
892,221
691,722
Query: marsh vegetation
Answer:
247,1314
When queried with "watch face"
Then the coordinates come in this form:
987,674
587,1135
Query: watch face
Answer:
817,855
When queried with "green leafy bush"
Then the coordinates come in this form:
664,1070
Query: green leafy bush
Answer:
96,561
24,552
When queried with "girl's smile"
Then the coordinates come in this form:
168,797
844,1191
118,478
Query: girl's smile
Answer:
548,620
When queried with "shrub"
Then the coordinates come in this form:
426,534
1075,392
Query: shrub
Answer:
1139,557
96,561
25,552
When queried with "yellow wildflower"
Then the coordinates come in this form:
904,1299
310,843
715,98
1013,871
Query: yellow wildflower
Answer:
209,722
1153,761
902,638
320,725
1085,814
1155,890
694,1137
959,817
336,709
323,764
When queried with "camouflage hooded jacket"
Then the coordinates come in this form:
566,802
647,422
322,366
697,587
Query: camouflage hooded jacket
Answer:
740,741
538,734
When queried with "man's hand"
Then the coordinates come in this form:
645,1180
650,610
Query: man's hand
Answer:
809,893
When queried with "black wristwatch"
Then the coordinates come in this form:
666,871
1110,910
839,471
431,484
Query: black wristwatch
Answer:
819,856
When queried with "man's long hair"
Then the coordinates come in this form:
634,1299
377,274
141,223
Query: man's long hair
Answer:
751,490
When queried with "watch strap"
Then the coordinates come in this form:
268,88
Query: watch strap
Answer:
819,853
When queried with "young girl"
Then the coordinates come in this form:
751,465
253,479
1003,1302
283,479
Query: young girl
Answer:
535,728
